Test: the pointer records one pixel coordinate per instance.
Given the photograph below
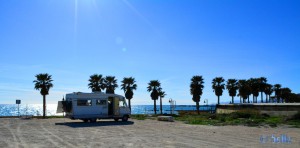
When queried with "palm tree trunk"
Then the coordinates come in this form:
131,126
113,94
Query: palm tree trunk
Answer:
218,99
261,95
129,104
160,105
197,106
240,100
253,98
154,106
232,101
44,106
248,99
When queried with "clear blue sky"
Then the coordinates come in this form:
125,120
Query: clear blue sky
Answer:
165,40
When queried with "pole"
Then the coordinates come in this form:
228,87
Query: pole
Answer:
171,107
171,103
19,110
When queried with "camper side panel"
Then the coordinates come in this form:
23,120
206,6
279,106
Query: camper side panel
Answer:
89,108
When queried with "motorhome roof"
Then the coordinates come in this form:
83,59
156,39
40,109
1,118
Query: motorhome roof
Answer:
92,94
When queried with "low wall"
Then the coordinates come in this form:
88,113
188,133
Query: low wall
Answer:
285,109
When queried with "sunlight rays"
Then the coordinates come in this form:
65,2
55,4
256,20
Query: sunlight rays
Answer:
75,18
132,8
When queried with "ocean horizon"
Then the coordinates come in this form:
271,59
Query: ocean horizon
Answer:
37,109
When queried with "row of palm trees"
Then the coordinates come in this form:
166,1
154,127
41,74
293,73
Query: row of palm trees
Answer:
97,82
252,86
154,87
245,88
109,84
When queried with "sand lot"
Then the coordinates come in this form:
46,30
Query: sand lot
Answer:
135,133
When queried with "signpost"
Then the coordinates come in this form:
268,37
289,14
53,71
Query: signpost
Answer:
18,102
172,105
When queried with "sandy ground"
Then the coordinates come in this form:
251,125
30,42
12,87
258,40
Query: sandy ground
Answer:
135,133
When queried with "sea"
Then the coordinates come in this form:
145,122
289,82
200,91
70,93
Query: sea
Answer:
37,109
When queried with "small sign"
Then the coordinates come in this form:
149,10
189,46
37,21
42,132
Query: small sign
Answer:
18,101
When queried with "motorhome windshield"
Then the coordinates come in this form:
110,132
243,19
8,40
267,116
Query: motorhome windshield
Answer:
122,103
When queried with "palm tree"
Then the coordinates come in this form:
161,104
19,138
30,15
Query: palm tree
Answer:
248,89
285,94
254,85
268,91
153,87
232,87
294,98
277,89
262,85
243,89
161,95
196,89
43,83
96,83
110,84
128,85
218,86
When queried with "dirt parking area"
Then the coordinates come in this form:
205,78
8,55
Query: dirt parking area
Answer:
135,133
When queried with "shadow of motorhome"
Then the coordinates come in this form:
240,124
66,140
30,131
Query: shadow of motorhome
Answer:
95,124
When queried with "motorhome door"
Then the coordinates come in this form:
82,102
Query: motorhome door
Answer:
116,106
110,105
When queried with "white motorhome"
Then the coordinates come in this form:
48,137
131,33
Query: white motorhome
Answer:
95,105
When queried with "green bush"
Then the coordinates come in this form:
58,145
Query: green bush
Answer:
296,116
212,116
245,114
138,117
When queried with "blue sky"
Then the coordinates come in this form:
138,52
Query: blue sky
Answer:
169,41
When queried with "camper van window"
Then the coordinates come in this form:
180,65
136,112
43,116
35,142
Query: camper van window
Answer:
122,103
100,102
84,102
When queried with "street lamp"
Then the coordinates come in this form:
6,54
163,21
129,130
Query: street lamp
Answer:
171,101
206,101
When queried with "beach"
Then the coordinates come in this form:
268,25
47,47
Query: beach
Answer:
61,132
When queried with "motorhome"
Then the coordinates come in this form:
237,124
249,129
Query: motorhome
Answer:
93,106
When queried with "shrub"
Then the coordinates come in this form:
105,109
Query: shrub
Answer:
296,116
245,114
139,117
212,116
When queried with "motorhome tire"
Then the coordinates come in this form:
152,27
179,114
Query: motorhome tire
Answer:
116,119
125,118
93,120
85,120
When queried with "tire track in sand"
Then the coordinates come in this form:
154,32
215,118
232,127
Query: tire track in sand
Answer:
7,127
56,137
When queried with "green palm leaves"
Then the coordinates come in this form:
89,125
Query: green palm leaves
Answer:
161,95
196,89
262,85
128,85
277,89
110,84
268,91
43,83
244,89
232,87
96,83
153,87
218,87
